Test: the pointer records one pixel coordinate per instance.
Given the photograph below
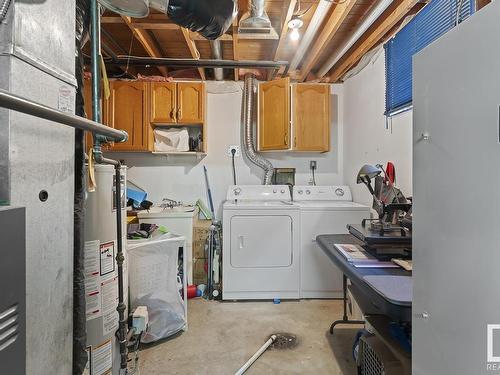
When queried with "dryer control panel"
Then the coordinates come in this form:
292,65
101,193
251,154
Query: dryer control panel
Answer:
322,193
259,192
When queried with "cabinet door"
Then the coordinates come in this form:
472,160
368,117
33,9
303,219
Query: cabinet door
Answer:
274,115
163,102
311,117
128,110
190,102
87,97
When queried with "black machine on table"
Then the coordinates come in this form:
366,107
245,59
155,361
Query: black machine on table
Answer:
386,237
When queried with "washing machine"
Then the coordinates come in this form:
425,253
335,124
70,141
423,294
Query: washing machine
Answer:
323,210
261,255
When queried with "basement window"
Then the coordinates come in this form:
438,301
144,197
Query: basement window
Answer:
434,20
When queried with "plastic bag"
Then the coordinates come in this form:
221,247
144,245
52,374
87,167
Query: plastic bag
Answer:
171,140
210,18
153,283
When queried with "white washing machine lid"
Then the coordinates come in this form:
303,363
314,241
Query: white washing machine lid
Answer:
260,205
331,206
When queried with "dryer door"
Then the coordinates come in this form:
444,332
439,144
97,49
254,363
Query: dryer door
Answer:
261,241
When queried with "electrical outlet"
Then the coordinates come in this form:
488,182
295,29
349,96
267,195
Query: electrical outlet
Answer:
234,147
313,164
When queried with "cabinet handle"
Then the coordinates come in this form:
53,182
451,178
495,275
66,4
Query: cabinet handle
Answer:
179,114
172,115
241,244
286,139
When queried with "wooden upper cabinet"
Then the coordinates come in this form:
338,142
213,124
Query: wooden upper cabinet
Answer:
274,115
128,110
87,97
311,117
163,102
190,102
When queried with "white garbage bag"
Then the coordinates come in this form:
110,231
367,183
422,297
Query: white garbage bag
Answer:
153,266
171,139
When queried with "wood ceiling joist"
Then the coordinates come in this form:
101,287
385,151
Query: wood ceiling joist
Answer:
147,42
235,46
371,38
284,31
193,50
332,25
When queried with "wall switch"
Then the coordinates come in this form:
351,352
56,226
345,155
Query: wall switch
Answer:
234,147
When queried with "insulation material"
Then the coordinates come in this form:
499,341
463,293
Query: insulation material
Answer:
171,140
210,18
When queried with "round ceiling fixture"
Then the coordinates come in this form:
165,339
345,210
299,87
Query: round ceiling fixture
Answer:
130,8
295,22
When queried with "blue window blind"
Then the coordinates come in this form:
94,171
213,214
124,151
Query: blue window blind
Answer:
434,20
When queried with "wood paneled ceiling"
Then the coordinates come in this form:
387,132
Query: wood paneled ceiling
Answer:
157,36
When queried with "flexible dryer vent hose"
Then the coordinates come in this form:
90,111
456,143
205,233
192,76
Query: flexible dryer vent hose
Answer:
248,134
4,7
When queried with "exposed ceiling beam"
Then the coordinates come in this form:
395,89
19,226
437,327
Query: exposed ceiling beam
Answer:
111,19
147,42
284,30
193,50
310,34
197,37
332,24
387,21
235,46
156,25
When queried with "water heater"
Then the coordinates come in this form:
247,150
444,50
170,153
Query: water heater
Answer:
101,273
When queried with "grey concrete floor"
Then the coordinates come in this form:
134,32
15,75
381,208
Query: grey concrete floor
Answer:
222,336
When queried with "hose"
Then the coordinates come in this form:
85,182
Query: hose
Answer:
248,142
233,152
4,7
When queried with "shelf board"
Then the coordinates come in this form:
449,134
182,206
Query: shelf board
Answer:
198,155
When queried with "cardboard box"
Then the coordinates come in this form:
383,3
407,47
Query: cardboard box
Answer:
199,274
201,230
199,249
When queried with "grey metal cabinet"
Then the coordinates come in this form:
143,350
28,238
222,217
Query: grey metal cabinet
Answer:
456,248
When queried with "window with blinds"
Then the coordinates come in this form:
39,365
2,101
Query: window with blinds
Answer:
434,20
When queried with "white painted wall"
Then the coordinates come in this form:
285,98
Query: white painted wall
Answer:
366,139
181,178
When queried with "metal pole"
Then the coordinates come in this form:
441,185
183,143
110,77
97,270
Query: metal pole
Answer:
122,328
95,46
192,63
29,107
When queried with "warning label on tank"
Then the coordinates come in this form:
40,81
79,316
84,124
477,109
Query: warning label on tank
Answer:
107,252
102,358
92,280
109,291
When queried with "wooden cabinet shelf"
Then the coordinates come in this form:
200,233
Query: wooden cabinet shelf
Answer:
294,117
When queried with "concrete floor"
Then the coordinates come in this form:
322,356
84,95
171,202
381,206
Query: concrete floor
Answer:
222,336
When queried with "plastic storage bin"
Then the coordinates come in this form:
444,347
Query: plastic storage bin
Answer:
153,282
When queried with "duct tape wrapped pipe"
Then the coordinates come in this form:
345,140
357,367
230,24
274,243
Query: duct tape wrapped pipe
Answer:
210,18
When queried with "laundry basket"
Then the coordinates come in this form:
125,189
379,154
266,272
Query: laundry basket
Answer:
154,282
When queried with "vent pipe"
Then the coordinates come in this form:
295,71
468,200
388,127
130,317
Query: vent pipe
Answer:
216,47
248,126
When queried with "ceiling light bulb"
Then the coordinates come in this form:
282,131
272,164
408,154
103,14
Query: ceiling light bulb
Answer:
295,35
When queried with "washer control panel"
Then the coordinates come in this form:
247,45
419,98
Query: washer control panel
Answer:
259,192
322,193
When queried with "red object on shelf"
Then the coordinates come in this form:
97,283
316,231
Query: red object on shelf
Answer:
191,291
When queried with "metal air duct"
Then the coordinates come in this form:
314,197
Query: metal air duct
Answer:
248,136
256,21
216,47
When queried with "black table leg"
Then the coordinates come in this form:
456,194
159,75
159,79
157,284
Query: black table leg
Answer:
345,319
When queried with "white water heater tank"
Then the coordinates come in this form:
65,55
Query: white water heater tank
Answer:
101,271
